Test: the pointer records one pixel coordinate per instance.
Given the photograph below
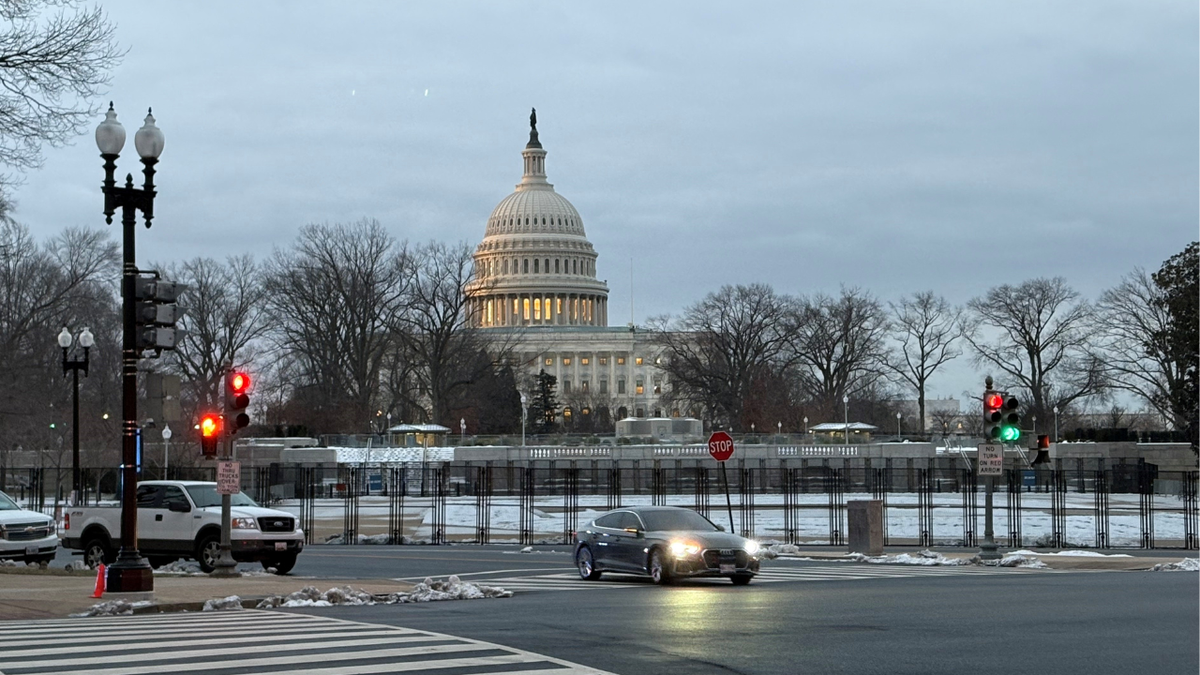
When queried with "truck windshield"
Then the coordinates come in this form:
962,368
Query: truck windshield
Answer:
206,495
7,504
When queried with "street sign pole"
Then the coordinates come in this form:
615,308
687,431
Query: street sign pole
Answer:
720,446
225,565
728,503
989,463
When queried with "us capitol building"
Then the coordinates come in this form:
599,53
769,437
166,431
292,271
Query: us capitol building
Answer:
536,288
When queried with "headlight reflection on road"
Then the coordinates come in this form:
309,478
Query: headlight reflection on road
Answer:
693,611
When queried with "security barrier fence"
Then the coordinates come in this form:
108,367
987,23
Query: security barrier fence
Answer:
936,503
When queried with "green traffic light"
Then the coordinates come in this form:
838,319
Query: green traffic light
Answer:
1009,434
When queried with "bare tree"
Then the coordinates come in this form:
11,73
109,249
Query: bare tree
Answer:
1040,337
225,317
435,329
926,329
333,298
713,352
55,58
836,348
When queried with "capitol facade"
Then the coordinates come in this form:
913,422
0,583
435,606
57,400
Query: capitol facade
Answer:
537,292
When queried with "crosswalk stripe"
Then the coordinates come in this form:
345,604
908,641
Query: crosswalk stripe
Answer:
138,646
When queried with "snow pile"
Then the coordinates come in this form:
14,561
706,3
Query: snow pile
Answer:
1185,565
450,589
7,563
377,539
75,565
529,549
773,551
113,608
310,596
426,591
180,567
1077,554
1017,560
231,602
924,558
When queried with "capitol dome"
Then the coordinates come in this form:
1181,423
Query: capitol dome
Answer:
535,265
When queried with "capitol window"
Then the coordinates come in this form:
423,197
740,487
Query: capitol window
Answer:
604,360
549,361
583,386
566,386
583,361
620,360
640,388
535,266
603,386
638,360
526,266
620,386
556,266
566,362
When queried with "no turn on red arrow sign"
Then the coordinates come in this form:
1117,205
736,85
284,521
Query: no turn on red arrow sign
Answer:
720,446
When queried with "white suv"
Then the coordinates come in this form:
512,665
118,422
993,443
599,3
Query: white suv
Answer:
26,535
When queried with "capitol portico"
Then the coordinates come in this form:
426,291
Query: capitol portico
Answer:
536,286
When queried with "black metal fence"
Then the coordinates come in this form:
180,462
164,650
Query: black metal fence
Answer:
940,503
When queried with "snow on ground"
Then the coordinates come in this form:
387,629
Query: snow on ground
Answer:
188,568
1185,565
924,558
1076,554
113,608
765,519
429,590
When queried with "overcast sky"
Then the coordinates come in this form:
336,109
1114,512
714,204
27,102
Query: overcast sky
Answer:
893,146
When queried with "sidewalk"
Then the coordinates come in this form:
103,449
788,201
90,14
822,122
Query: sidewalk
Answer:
1108,560
27,593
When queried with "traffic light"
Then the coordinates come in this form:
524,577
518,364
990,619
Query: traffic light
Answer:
210,434
993,403
237,399
1043,451
1010,425
156,312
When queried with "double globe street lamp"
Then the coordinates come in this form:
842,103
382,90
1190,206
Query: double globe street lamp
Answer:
74,364
130,572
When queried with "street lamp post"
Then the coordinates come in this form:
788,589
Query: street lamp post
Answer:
524,414
130,572
779,431
897,426
846,420
805,426
73,365
1055,424
462,429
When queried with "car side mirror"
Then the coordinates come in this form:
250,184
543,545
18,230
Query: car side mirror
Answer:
179,507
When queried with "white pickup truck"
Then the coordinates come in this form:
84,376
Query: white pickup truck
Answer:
182,519
25,535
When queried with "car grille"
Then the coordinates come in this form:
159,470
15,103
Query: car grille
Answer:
273,524
26,531
713,556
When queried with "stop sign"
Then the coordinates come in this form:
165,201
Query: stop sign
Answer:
720,446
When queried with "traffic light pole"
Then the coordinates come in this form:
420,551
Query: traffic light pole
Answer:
987,549
225,565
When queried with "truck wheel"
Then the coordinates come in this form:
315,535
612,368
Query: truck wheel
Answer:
208,552
282,565
96,551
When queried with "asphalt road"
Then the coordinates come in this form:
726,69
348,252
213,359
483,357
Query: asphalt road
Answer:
1103,623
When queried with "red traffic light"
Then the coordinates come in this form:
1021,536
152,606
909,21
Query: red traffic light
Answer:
993,401
239,382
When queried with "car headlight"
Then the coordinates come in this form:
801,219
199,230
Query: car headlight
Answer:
751,546
244,524
52,527
683,549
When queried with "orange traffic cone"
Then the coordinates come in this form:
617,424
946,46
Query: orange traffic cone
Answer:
100,572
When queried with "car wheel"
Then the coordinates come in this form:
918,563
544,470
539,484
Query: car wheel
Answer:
96,552
281,565
741,579
659,572
586,564
208,552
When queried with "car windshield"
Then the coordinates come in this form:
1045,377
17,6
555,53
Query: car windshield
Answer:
7,504
206,495
677,520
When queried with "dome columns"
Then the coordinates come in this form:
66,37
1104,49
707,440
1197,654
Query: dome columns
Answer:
541,309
